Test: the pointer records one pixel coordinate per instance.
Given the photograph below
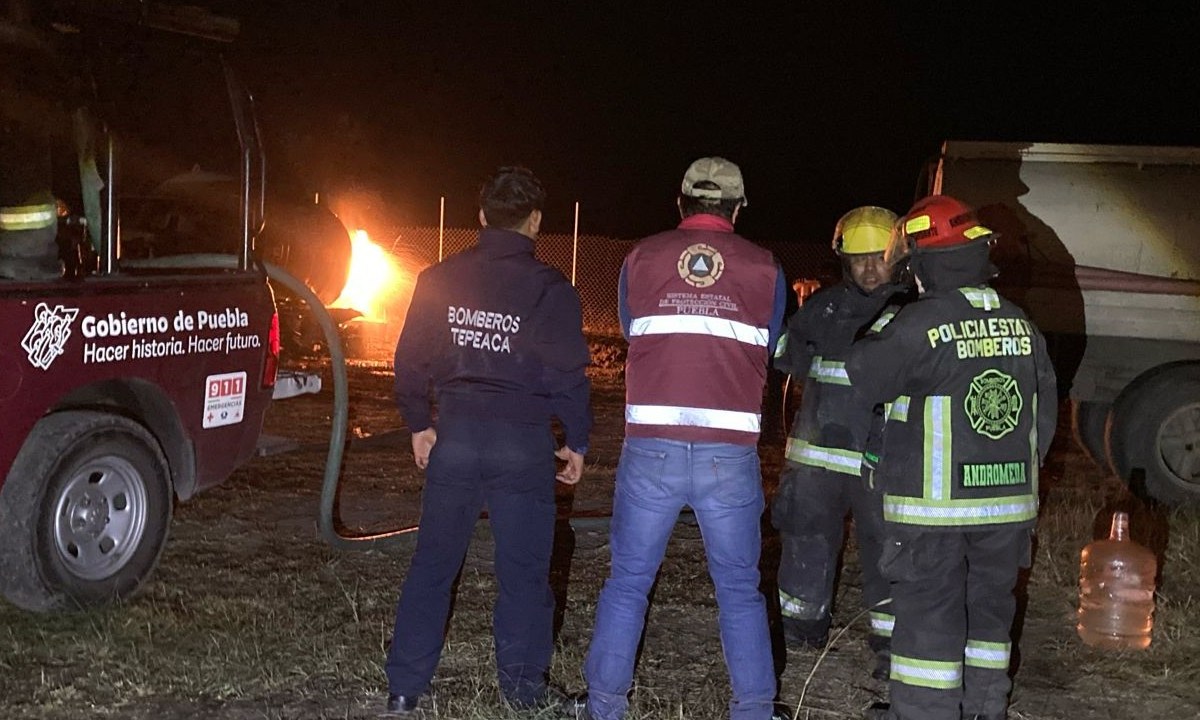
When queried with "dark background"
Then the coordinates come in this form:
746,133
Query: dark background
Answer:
825,105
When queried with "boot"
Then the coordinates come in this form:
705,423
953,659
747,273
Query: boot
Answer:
805,634
878,711
883,665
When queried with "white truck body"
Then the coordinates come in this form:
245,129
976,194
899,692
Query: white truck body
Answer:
1101,246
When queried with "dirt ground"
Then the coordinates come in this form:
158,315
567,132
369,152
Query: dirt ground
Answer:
251,615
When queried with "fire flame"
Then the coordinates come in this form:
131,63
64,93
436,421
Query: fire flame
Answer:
373,278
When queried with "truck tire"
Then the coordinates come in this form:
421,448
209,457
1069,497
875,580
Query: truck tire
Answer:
1089,425
1155,437
84,512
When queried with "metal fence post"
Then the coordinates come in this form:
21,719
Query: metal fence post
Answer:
441,226
575,244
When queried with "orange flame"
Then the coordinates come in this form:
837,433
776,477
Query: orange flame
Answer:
373,279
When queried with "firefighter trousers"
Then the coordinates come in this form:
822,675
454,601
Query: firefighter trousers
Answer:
810,514
509,469
954,602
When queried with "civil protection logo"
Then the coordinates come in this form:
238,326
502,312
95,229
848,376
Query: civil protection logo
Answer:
701,265
47,336
993,404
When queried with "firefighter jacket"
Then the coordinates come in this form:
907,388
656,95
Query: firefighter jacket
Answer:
970,409
831,425
700,306
497,334
30,84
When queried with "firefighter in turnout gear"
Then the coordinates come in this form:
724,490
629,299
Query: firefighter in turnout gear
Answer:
969,398
29,114
821,479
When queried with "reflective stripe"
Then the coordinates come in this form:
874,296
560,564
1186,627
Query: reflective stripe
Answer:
835,459
918,511
781,345
690,416
881,322
830,372
936,674
897,409
1033,449
28,217
985,298
698,325
990,655
938,450
882,624
798,608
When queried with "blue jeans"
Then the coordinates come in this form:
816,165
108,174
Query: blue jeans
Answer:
723,485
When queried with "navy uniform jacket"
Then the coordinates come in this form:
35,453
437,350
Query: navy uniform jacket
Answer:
498,335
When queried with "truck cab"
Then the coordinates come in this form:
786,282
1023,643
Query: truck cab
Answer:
126,384
1100,244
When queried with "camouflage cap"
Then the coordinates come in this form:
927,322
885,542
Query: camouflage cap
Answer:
719,171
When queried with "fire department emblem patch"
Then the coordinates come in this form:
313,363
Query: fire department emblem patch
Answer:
993,404
701,265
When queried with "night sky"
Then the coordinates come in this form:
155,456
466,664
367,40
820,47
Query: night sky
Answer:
824,105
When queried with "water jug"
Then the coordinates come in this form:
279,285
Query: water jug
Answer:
1116,591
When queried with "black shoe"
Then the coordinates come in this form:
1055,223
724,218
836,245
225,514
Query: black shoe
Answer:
877,711
782,712
883,665
402,704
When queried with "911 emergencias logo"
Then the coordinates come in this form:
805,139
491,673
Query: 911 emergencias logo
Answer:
47,337
993,404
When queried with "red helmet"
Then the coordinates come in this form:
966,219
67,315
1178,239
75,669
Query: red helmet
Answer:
936,222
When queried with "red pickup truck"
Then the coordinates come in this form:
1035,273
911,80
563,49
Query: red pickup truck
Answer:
125,384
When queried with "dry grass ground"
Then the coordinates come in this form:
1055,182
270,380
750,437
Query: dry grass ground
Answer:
251,615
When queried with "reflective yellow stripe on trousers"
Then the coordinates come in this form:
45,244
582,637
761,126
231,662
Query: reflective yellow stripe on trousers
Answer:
835,459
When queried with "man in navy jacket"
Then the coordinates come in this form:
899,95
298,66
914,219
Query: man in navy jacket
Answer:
497,336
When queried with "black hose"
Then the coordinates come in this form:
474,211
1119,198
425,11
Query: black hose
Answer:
337,431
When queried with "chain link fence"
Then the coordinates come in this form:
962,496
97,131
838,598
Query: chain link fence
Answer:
593,263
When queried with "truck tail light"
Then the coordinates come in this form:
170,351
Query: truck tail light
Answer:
271,365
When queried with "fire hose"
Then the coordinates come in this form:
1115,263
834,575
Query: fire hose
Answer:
326,520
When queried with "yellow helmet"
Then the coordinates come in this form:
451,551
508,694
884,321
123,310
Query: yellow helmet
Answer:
864,230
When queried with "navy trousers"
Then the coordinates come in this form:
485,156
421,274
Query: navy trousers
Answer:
509,469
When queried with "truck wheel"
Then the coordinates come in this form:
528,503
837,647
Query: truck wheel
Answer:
1156,434
84,512
1089,424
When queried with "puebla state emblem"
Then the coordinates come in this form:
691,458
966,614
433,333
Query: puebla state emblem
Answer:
701,265
993,404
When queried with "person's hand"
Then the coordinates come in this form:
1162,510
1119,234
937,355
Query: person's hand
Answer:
573,470
423,443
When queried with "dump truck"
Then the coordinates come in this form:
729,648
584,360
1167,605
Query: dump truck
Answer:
1100,244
